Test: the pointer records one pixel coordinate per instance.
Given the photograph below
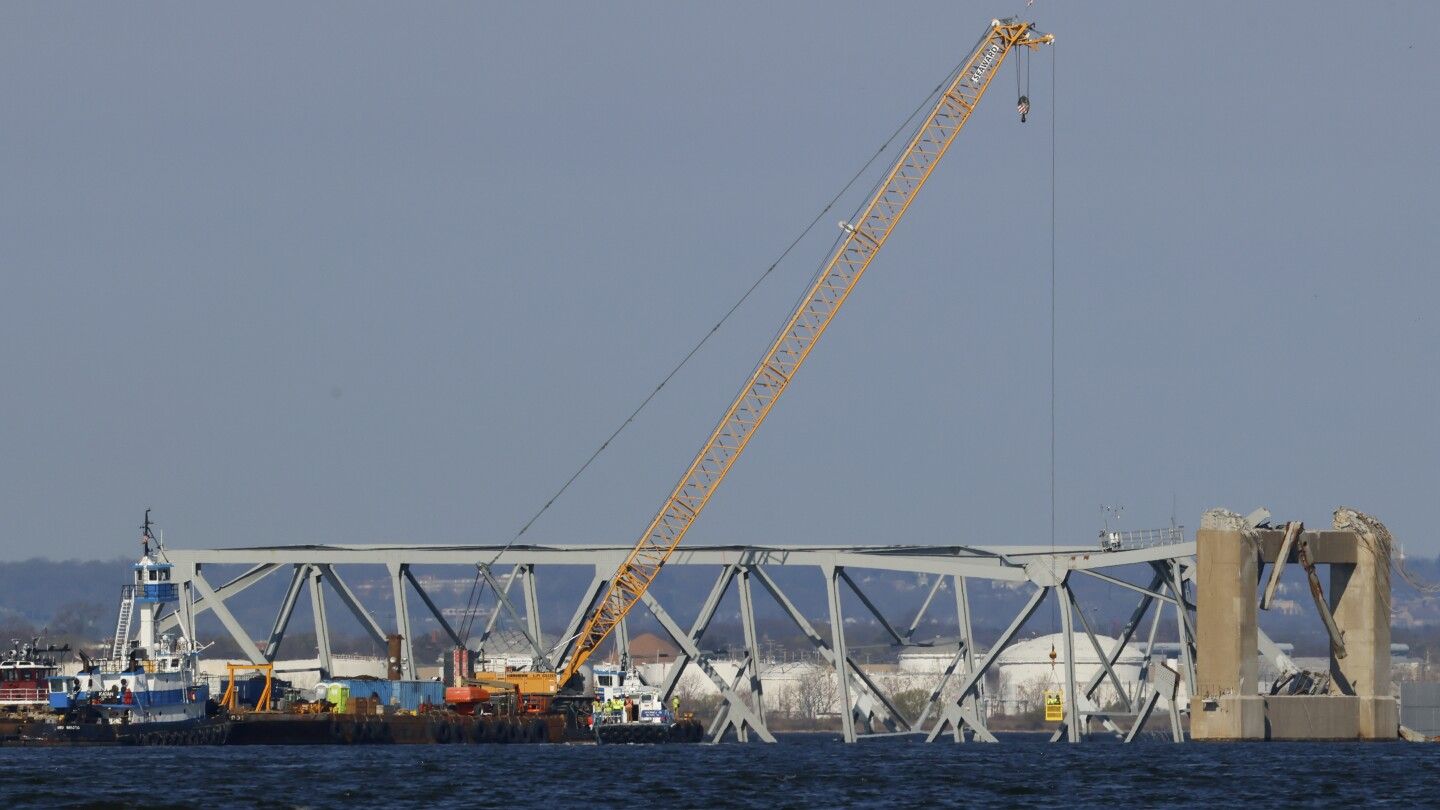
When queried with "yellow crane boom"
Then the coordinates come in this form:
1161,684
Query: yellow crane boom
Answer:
863,240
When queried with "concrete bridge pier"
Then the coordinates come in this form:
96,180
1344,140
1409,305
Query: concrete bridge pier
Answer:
1230,703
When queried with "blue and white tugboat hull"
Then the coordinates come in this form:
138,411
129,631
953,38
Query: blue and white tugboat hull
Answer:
146,692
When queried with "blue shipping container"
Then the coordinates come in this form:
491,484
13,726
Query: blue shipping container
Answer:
414,693
407,695
363,688
249,690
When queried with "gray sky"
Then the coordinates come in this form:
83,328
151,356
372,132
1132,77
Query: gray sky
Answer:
360,273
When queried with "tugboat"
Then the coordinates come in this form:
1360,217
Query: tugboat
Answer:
24,672
630,711
147,692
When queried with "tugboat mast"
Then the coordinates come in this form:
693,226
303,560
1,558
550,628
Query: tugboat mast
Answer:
147,536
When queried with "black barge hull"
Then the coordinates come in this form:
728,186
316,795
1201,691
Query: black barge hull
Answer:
684,731
435,729
44,733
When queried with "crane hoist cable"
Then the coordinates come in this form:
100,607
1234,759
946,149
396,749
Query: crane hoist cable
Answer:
1052,312
1053,277
864,238
1022,65
745,296
477,588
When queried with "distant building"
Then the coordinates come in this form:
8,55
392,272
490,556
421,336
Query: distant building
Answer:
648,648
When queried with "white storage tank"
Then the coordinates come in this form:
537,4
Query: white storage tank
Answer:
1026,671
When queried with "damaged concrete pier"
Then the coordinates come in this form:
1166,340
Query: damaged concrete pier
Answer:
1230,702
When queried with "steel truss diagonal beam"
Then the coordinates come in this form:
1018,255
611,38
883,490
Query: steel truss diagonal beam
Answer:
287,607
702,621
842,656
864,686
402,618
953,715
227,619
752,647
172,620
316,586
484,572
962,661
1175,581
532,609
924,606
571,633
737,710
1283,663
1132,586
1161,682
723,723
1126,634
870,606
434,611
859,705
1075,726
352,603
1105,665
503,596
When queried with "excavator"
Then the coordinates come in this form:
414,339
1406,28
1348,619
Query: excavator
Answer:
863,239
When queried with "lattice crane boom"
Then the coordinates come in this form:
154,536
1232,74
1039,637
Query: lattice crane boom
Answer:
772,376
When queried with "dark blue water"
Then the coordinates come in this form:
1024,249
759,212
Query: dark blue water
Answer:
800,771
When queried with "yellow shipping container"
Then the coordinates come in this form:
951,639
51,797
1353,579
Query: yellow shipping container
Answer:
530,683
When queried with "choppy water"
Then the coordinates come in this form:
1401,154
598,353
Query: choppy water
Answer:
800,771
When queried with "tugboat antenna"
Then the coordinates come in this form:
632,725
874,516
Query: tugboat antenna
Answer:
146,535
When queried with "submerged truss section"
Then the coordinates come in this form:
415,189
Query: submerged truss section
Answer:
952,710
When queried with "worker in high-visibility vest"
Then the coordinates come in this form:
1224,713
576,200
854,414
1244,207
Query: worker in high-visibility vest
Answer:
675,706
596,712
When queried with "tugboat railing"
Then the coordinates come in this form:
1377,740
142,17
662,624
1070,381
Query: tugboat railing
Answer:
22,694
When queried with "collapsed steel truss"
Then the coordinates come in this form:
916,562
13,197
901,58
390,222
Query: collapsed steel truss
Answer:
949,710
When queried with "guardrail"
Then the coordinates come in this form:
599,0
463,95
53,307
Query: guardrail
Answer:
22,694
1142,538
